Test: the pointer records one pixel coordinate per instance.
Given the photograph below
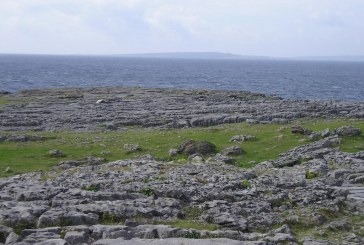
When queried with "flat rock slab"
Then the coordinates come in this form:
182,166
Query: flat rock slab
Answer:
114,108
355,192
176,241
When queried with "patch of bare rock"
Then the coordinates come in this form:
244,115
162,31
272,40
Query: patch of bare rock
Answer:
106,108
313,187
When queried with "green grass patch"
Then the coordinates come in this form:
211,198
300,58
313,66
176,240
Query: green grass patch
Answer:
311,175
246,183
91,187
111,219
271,140
3,102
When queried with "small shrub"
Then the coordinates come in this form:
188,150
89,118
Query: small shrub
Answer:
110,219
311,175
192,213
246,183
202,180
147,191
19,227
192,235
92,187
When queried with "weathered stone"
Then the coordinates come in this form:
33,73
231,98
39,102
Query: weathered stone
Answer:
4,232
325,133
300,130
132,148
56,153
56,217
12,238
222,158
347,131
53,242
242,138
232,151
196,158
192,146
172,152
74,237
314,136
252,121
100,101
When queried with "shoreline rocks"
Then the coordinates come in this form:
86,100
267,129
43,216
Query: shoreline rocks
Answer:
77,109
313,187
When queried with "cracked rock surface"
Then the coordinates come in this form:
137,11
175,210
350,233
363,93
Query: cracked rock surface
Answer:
312,194
114,108
134,200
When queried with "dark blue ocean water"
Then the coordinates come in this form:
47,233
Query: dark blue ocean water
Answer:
289,79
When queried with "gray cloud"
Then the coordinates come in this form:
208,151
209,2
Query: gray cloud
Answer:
251,27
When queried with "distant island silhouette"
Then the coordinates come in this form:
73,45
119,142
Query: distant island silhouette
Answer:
227,56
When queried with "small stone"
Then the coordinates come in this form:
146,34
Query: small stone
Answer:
100,101
172,152
106,153
339,225
132,148
12,238
283,229
224,159
196,158
56,153
232,151
252,121
314,136
242,138
75,237
54,242
347,131
300,130
325,133
131,223
358,180
111,126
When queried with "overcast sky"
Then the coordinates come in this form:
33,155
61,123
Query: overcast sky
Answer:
247,27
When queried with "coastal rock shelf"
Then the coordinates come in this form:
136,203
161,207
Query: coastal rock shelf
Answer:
129,201
310,194
114,108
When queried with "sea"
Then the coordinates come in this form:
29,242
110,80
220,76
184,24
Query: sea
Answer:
290,79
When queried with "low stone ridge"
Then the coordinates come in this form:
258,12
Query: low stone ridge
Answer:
86,109
21,138
133,200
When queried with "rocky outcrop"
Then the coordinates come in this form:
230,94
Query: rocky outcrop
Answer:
312,189
85,109
143,198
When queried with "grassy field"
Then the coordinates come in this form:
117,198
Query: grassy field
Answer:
3,102
271,140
